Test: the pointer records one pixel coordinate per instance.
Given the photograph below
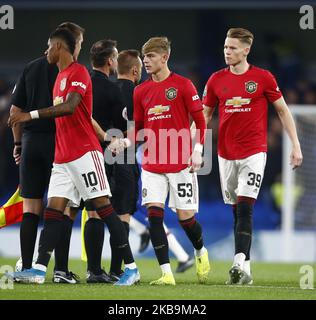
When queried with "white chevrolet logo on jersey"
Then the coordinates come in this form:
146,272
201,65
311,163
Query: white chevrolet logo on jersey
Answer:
80,84
237,102
158,109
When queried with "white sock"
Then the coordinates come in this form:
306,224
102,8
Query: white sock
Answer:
39,267
166,268
137,226
200,252
239,260
246,267
175,247
131,265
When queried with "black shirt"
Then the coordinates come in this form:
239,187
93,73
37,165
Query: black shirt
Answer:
34,90
108,105
127,89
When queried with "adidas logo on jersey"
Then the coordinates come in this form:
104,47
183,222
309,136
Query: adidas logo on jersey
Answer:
94,189
189,201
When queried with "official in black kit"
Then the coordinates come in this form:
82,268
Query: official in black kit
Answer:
126,175
112,103
34,146
33,90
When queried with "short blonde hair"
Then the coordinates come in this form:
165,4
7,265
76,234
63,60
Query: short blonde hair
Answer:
126,60
158,45
244,35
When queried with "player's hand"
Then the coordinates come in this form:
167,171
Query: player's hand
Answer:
17,154
116,146
195,161
296,157
18,117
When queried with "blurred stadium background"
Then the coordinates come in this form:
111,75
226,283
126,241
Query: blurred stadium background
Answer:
284,227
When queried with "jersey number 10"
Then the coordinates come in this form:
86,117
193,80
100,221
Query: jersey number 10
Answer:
90,179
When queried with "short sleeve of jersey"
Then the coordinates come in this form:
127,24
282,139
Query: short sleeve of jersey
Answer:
209,97
138,114
79,80
191,97
19,98
272,91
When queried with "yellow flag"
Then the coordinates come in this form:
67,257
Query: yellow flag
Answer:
12,211
84,218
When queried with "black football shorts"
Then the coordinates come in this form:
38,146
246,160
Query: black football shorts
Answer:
36,163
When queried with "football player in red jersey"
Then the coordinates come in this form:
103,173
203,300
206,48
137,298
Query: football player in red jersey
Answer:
78,170
37,139
242,93
163,105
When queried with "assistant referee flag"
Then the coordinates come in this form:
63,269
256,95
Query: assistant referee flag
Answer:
12,211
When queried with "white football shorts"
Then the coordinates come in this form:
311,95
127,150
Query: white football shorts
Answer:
182,187
241,177
83,178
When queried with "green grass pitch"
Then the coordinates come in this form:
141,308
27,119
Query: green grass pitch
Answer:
271,281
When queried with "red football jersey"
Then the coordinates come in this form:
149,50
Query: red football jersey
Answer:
242,101
75,135
164,108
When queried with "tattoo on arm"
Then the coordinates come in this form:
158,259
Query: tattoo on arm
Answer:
63,109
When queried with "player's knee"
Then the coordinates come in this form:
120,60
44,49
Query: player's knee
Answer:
185,214
93,214
57,203
187,223
125,217
155,216
100,202
53,214
71,212
244,214
155,204
248,200
33,205
244,209
245,205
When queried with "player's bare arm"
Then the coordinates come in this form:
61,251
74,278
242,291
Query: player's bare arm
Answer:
296,157
208,113
17,136
63,109
196,160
